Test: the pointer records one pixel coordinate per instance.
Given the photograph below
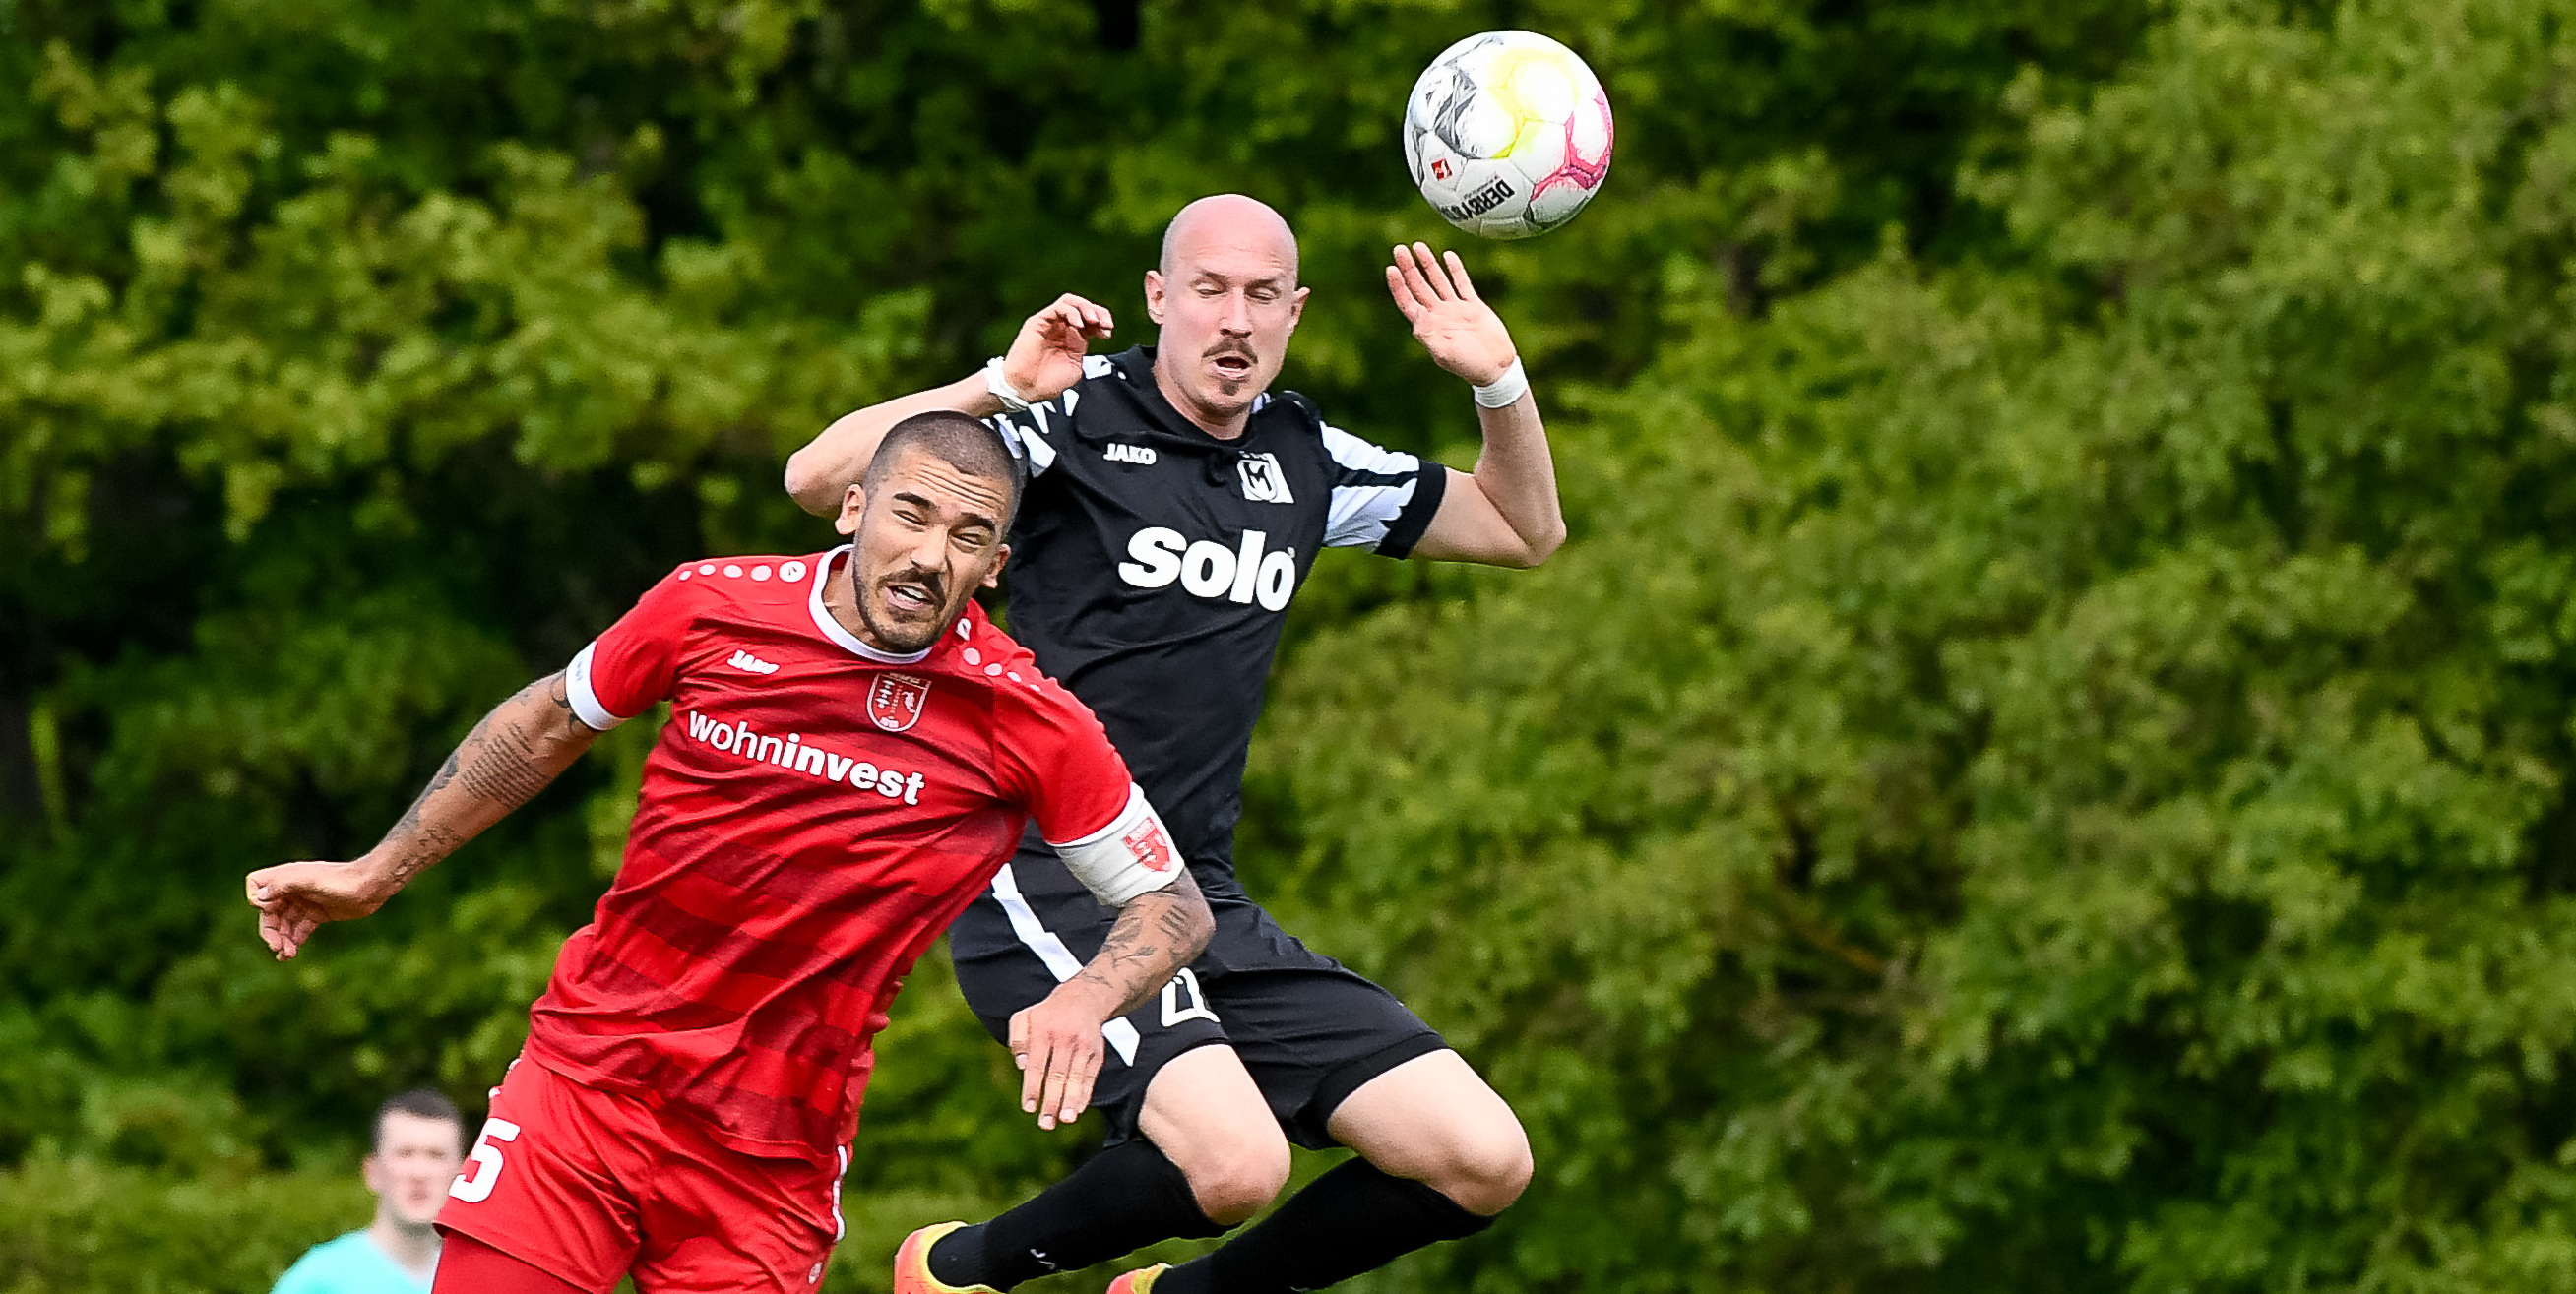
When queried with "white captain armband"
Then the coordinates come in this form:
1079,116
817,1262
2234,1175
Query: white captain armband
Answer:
1133,855
585,703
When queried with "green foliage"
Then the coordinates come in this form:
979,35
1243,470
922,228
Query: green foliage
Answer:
2049,771
2045,764
79,1225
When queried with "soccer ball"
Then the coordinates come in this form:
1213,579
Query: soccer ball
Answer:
1507,134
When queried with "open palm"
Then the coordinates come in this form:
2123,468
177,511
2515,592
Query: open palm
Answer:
1463,334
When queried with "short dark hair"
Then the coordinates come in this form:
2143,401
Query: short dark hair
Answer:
963,442
420,1103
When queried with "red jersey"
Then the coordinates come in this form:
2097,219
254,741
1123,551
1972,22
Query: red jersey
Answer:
814,814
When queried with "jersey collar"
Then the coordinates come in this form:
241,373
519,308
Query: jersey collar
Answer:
832,628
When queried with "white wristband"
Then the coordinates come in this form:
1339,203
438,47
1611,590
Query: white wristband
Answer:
1002,389
1501,393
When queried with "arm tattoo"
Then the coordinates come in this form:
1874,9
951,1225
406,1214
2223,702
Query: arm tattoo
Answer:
509,756
411,816
1156,934
561,697
503,767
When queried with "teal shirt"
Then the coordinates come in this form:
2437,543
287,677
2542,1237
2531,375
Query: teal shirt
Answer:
349,1265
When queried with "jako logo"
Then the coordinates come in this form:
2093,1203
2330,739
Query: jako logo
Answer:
1121,452
744,660
813,761
1211,570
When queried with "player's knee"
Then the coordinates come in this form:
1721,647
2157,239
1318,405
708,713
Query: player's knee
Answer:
1487,1165
1239,1178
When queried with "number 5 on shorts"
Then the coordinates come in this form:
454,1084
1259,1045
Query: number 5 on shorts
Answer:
483,1163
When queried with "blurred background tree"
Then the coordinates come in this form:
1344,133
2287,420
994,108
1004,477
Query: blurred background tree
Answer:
2044,766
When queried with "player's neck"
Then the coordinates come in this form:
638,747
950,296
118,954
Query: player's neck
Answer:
1175,396
841,603
841,599
414,1249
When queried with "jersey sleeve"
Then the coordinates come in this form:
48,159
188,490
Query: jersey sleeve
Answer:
1381,499
1042,432
636,661
1060,764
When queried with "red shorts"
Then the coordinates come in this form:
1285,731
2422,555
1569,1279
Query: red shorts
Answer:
590,1185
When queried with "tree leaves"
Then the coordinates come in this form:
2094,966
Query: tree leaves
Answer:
2153,680
2045,763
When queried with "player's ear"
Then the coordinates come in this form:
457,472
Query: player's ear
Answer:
854,501
1297,305
372,1168
1001,558
1154,295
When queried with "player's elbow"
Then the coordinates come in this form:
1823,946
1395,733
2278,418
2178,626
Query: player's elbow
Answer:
799,480
1490,1168
1547,542
810,485
1536,547
1198,923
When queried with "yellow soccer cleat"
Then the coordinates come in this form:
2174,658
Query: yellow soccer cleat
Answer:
912,1264
1140,1281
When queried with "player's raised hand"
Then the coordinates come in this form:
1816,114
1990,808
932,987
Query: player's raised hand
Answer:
1463,334
1058,1047
296,898
1047,355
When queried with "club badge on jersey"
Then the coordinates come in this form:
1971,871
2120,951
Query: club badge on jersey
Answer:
895,701
1264,480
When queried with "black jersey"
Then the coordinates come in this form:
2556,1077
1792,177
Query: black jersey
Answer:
1151,563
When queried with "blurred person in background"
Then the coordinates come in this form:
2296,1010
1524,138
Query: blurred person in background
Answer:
419,1144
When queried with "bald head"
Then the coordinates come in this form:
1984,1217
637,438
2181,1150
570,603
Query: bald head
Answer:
1226,299
1228,222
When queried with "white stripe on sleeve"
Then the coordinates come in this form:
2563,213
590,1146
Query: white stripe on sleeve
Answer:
1358,456
1371,486
1024,442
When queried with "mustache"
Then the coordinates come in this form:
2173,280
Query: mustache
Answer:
929,580
1230,346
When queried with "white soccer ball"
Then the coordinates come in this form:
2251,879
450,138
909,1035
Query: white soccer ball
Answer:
1508,134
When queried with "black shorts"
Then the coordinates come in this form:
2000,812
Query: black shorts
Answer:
1310,1030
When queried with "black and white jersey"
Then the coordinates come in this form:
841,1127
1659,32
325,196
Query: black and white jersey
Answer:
1151,562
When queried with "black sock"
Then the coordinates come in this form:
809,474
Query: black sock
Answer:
1353,1219
1120,1200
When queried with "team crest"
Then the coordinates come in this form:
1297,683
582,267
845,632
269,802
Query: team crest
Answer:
1263,479
895,701
1148,845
